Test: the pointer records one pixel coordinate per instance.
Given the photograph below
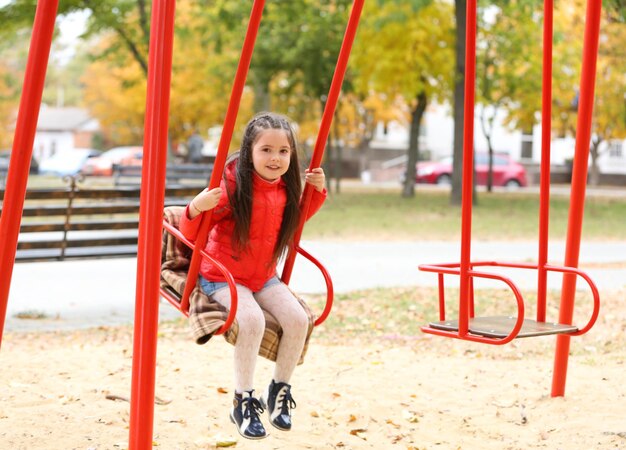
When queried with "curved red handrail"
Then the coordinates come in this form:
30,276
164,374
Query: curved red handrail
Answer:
329,285
468,336
594,291
183,305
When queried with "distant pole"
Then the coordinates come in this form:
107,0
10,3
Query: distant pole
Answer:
22,150
579,184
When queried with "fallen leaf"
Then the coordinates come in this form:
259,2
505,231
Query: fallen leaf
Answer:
222,390
358,433
352,418
228,443
314,414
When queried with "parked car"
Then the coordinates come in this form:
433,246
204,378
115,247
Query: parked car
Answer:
5,158
67,161
506,172
103,164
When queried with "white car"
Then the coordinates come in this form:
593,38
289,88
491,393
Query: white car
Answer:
67,161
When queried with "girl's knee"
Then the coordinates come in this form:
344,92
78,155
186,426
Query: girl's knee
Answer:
301,320
297,323
252,323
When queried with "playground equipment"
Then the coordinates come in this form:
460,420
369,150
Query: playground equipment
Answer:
153,186
146,318
501,330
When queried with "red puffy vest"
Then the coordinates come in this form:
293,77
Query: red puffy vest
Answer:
251,267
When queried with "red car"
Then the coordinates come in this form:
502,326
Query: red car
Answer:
506,172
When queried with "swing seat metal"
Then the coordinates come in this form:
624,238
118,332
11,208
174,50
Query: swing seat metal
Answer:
499,330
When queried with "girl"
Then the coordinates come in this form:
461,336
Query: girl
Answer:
256,213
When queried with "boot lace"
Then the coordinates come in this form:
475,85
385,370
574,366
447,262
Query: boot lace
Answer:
285,401
252,408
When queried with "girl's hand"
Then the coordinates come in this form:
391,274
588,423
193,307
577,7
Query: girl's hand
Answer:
316,178
204,201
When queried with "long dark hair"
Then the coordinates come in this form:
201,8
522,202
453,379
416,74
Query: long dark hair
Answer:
241,198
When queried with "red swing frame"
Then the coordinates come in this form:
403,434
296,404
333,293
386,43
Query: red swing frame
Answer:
157,108
146,321
152,187
484,330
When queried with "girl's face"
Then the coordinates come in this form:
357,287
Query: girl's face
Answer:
271,154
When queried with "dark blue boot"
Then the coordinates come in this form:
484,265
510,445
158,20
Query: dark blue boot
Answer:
278,401
245,415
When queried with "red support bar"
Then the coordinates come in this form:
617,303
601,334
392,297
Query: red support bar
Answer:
150,230
546,136
224,144
442,297
468,166
579,181
22,150
322,136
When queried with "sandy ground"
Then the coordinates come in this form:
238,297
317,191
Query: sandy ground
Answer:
388,392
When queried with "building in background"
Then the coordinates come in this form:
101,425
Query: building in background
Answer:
63,128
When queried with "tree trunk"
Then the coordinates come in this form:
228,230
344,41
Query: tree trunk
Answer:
408,189
527,143
338,153
489,169
329,163
594,170
459,94
261,96
487,133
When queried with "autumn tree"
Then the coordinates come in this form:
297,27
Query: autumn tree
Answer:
609,113
406,49
609,118
508,68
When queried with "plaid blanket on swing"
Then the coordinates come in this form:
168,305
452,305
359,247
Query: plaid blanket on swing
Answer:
206,315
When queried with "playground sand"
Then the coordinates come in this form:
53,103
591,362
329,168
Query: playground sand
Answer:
67,390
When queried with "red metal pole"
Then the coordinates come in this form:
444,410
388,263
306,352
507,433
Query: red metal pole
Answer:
544,183
322,136
468,156
222,148
579,181
150,225
22,149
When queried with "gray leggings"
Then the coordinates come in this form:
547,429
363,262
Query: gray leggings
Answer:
278,300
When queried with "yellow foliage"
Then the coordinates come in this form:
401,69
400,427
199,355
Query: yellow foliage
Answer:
400,51
115,92
116,95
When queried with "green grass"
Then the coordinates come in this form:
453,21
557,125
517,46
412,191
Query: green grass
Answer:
383,215
360,213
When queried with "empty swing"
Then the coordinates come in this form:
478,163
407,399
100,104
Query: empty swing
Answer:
498,330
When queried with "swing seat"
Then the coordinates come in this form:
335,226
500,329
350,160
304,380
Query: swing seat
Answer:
206,316
499,327
498,330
